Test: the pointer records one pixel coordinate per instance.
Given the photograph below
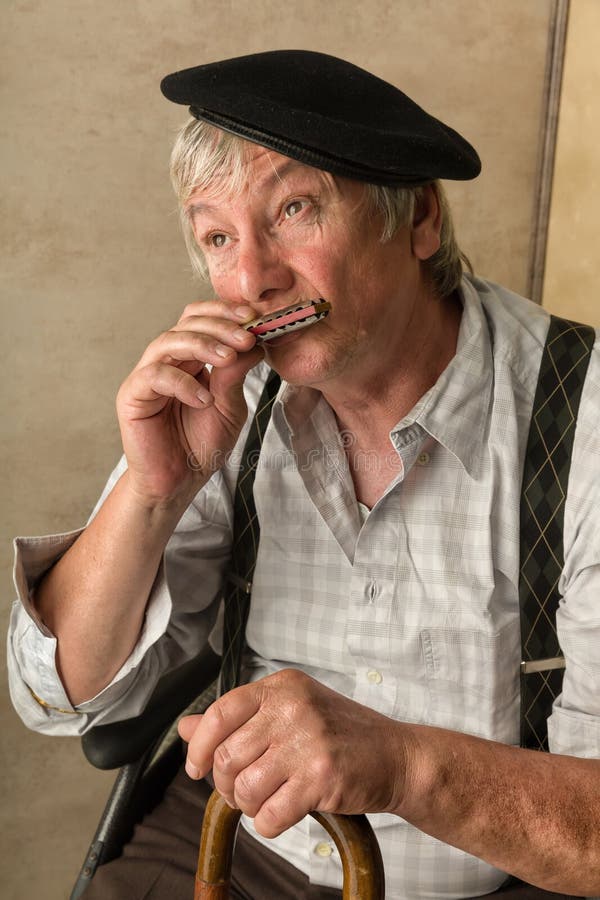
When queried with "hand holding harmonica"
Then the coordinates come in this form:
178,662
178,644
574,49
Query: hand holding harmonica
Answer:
184,399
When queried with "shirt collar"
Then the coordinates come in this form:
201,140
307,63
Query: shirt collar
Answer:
454,411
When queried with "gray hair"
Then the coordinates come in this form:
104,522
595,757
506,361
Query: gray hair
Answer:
204,158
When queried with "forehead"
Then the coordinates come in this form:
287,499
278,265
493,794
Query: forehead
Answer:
255,171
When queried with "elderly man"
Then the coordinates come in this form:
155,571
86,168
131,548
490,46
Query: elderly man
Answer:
382,658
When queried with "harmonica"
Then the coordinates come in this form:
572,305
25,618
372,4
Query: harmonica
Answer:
292,318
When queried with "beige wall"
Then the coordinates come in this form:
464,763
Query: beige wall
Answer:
573,256
94,267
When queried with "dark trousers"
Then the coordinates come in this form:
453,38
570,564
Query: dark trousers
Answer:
160,861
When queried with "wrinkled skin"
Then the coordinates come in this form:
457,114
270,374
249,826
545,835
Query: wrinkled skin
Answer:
286,745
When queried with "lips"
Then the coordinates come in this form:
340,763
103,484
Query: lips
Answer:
291,318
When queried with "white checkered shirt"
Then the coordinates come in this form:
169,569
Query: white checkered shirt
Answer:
411,608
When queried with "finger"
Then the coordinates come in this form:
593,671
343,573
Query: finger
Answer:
221,719
218,309
226,383
187,726
218,348
237,755
257,782
226,389
285,807
147,391
192,367
222,329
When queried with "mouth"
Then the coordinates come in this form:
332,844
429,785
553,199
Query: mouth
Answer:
291,318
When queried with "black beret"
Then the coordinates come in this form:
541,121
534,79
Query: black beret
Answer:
326,113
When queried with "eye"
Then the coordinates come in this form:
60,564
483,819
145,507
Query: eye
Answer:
217,240
293,208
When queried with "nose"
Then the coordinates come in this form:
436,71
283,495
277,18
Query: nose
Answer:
262,272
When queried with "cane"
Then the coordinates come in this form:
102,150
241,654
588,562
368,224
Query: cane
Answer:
353,836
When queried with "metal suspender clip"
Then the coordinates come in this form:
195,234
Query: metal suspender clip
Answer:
242,583
542,665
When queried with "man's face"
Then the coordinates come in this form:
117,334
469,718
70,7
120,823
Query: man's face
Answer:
294,234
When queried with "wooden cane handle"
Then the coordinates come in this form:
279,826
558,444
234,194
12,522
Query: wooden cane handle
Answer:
353,836
360,854
215,857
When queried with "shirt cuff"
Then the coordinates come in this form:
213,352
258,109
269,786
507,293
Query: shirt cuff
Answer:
36,689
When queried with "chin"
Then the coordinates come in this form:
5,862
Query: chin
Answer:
299,365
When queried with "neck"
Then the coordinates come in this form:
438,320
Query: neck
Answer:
370,402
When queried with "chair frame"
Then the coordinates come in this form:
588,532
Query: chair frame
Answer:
148,752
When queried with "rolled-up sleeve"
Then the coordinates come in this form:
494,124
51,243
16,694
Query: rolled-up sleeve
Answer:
180,616
35,688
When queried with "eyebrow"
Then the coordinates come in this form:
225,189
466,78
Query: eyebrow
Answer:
277,175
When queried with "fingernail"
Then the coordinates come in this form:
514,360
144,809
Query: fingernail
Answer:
222,350
204,396
192,770
244,312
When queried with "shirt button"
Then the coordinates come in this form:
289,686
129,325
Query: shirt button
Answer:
423,459
374,676
323,849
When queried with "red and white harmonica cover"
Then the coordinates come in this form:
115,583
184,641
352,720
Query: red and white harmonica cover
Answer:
292,318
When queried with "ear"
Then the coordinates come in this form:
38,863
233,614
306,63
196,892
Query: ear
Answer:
427,224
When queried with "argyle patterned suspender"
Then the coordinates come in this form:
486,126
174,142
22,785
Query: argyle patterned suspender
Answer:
236,593
547,462
545,478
